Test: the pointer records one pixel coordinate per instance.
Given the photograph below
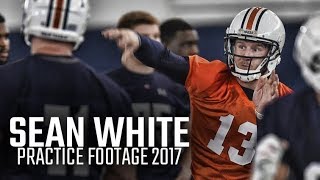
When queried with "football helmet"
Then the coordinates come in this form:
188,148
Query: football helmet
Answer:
307,51
60,20
255,24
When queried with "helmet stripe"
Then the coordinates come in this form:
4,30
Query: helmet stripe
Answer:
49,13
260,16
245,17
58,13
66,14
252,17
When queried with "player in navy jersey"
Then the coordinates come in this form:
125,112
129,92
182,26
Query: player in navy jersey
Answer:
290,128
179,37
51,82
152,93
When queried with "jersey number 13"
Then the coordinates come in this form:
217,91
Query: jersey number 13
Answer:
216,144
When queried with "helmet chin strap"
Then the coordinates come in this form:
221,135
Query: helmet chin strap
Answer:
247,75
239,73
251,75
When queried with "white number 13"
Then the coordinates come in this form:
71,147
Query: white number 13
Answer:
216,144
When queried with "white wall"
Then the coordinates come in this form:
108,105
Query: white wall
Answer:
197,12
103,12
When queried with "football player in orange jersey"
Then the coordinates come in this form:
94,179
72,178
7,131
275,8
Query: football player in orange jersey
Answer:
226,99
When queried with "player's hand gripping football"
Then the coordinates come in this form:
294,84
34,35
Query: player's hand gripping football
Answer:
126,39
266,91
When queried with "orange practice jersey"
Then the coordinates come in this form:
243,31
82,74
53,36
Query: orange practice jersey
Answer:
224,129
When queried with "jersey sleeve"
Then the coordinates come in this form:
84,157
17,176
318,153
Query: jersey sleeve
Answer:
154,54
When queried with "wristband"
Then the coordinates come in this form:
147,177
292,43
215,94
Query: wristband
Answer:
259,115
